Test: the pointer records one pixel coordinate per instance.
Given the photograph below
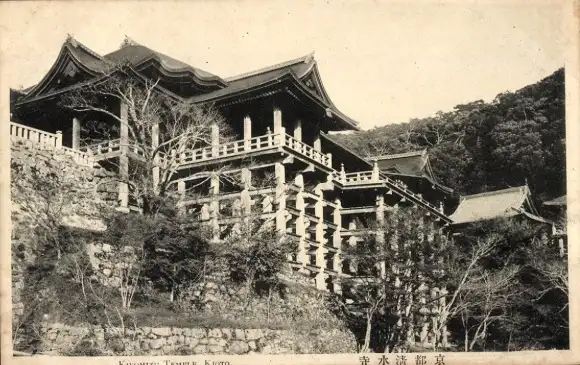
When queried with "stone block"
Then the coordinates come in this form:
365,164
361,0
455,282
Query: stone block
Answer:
215,333
198,332
226,333
200,349
157,343
253,334
252,345
239,334
216,349
239,347
266,350
161,331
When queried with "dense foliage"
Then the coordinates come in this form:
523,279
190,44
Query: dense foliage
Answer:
505,288
482,146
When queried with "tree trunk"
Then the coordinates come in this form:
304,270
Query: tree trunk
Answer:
367,342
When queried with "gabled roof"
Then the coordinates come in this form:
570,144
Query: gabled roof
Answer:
496,204
302,72
184,80
409,163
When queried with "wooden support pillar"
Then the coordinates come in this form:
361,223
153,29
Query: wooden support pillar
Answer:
317,144
380,203
124,158
215,140
277,120
280,197
245,197
247,132
298,129
58,142
320,261
215,205
181,192
376,172
156,160
76,134
300,227
337,243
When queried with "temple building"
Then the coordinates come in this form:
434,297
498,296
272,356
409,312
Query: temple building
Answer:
280,117
414,169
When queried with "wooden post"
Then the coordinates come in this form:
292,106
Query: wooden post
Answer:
215,205
247,132
181,192
376,172
58,142
298,129
76,134
215,140
124,158
154,145
246,199
337,243
277,120
300,228
317,144
280,197
320,262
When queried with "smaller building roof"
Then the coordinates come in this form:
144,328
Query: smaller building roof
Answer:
410,164
560,201
414,163
496,204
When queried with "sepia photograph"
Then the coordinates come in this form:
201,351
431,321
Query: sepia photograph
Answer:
193,179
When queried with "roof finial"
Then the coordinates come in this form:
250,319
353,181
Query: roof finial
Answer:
71,39
128,42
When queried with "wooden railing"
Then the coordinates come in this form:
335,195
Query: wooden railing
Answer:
37,136
254,144
308,151
102,148
48,140
226,149
82,158
367,177
360,177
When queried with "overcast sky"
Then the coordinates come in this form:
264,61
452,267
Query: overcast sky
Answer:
381,62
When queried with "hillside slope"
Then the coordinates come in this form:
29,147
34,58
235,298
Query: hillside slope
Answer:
478,146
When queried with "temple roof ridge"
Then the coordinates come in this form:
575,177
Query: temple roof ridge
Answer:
304,59
70,39
523,189
400,155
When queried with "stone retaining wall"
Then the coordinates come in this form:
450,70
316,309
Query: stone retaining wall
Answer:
62,339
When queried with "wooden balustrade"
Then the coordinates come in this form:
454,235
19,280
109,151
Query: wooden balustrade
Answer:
82,158
37,136
102,148
48,140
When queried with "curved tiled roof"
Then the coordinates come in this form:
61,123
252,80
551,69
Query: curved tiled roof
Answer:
495,204
136,54
301,72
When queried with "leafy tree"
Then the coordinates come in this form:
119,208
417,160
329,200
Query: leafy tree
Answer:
394,269
160,129
480,146
255,254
